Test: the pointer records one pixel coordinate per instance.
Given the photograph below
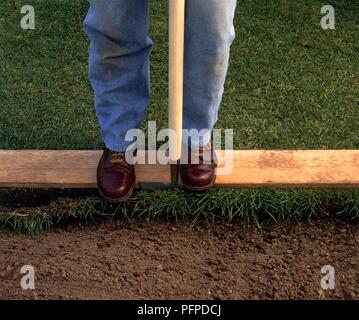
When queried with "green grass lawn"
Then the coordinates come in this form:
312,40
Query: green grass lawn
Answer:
291,85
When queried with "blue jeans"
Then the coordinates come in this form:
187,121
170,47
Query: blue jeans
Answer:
119,63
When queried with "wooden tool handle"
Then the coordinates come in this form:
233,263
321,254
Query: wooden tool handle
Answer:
176,59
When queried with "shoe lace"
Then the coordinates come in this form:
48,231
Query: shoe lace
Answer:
117,157
200,154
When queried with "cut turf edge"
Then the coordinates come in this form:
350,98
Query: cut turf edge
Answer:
246,205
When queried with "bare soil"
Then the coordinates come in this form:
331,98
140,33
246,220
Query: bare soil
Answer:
165,260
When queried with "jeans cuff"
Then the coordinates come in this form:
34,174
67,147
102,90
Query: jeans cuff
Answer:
197,142
117,147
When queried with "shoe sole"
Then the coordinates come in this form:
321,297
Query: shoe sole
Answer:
200,189
117,200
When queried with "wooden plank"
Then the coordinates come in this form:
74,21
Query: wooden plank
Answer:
293,168
251,168
65,169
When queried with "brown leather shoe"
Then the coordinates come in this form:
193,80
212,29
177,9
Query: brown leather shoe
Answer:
200,175
115,177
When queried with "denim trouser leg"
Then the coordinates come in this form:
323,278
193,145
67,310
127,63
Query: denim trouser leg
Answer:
119,63
208,36
119,66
